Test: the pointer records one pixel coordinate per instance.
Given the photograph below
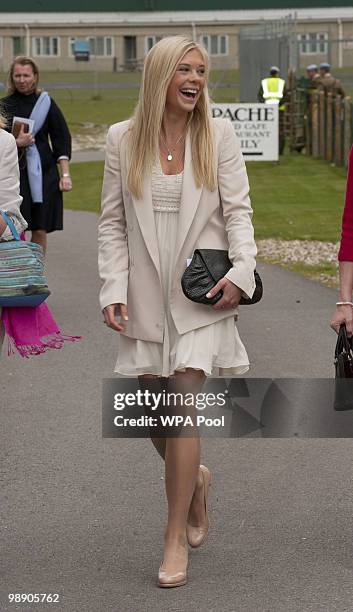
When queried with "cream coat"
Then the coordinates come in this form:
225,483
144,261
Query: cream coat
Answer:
10,199
128,251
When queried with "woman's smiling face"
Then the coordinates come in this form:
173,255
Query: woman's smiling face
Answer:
187,83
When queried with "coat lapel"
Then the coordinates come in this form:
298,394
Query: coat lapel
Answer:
145,216
190,198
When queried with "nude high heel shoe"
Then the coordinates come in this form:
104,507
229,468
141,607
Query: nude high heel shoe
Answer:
197,535
175,579
171,580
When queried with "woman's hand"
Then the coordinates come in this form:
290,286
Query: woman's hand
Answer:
65,183
111,312
231,295
343,314
24,139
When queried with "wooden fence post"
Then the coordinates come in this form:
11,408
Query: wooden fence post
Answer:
338,135
314,125
347,129
329,127
322,124
307,132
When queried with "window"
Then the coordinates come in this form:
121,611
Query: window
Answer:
100,45
46,45
108,46
313,43
150,41
18,45
215,44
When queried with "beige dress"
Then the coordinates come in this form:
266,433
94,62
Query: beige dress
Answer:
217,348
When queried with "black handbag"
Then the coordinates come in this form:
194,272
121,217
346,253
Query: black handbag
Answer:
344,371
344,354
207,267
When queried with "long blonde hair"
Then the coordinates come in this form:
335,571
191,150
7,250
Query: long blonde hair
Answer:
159,68
2,120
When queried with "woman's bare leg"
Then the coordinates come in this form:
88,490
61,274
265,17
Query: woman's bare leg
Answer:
155,384
182,460
40,237
183,480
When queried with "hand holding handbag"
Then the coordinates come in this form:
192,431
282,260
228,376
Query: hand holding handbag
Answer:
22,280
207,267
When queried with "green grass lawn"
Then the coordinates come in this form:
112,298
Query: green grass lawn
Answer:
301,198
87,184
82,108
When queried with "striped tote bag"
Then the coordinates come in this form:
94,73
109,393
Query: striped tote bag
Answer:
22,280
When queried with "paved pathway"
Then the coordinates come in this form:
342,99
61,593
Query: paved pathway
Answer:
84,517
87,155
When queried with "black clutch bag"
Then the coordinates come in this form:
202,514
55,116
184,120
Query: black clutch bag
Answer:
207,267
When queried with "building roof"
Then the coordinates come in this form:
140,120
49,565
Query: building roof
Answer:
173,17
40,6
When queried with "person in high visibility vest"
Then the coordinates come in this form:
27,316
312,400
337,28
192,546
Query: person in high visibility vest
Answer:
273,91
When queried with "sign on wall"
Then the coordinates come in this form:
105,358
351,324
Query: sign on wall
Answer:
81,50
256,126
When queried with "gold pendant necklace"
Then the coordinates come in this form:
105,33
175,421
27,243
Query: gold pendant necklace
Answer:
170,151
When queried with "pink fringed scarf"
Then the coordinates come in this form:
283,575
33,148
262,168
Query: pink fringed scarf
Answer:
32,331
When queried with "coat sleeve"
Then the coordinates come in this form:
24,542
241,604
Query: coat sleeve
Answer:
10,199
60,136
237,212
346,248
113,256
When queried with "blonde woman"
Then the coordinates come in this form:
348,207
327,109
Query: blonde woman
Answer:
174,181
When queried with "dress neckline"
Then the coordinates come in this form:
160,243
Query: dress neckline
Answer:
159,165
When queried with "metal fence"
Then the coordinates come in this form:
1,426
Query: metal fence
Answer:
262,46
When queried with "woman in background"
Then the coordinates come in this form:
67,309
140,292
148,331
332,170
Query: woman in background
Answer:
41,189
